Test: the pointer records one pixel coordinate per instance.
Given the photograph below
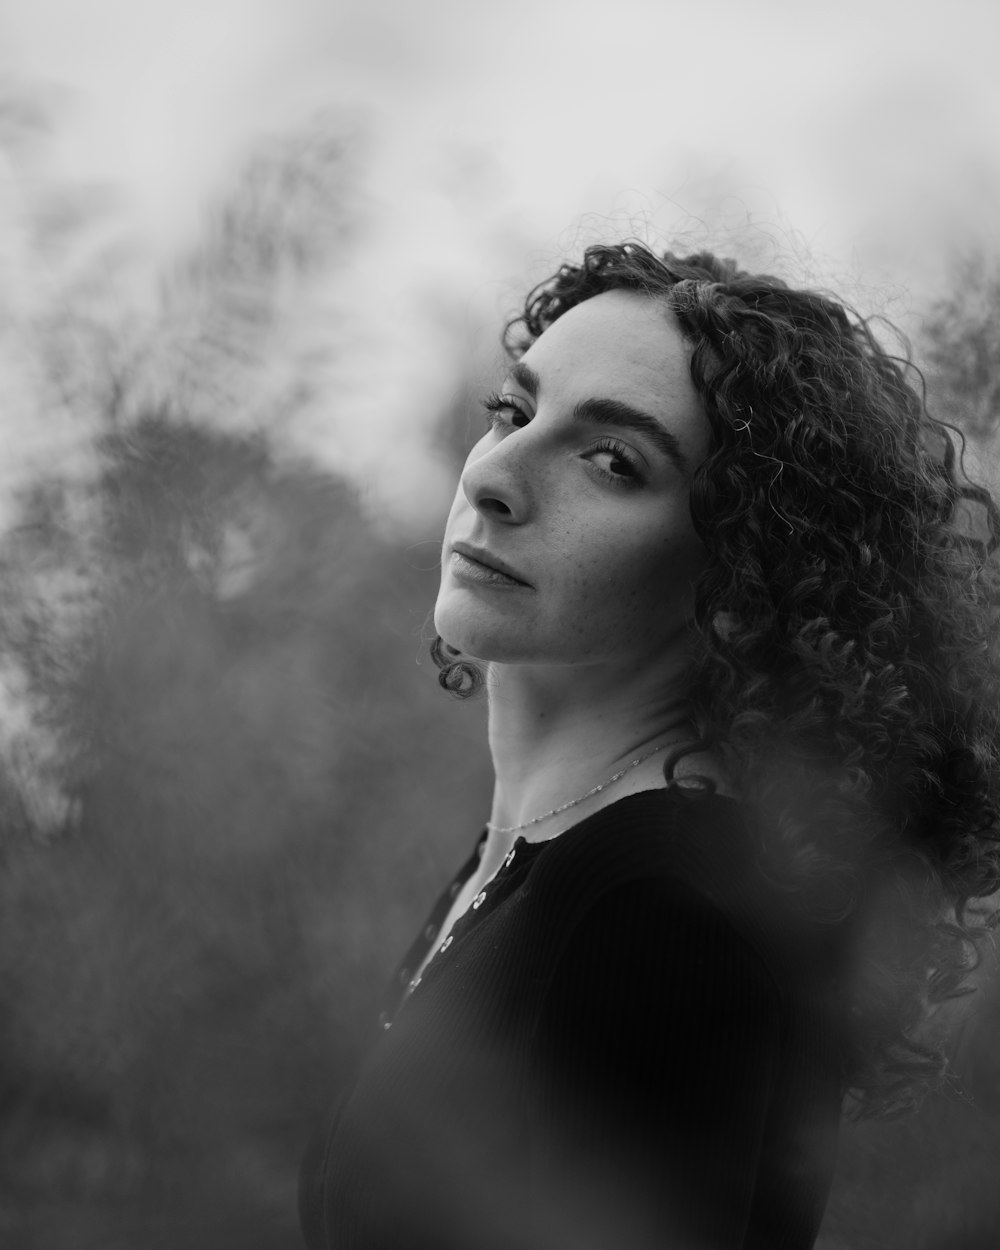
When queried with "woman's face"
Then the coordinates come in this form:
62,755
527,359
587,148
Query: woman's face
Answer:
579,492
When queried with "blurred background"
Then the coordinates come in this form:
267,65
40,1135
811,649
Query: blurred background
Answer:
254,258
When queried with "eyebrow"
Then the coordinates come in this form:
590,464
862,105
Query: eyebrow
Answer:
611,412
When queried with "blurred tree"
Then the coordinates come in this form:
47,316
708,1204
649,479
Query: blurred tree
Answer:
960,344
228,792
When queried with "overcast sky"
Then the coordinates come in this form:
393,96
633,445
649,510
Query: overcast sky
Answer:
863,137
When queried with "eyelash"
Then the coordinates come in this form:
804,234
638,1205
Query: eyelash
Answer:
619,451
495,404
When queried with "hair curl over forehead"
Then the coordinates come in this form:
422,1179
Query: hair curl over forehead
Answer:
846,620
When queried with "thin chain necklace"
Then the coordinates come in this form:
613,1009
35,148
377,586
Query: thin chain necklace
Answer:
535,820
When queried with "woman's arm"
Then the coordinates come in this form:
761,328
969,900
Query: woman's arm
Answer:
656,1058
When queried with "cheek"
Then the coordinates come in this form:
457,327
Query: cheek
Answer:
652,582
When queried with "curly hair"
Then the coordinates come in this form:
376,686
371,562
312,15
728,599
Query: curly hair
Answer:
846,628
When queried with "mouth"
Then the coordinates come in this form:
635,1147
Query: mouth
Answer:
475,564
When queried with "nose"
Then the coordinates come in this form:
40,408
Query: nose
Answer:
496,483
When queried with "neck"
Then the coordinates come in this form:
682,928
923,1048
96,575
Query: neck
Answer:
557,732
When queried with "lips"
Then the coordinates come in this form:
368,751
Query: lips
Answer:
489,561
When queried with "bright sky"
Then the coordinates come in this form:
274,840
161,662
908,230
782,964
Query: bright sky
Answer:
865,134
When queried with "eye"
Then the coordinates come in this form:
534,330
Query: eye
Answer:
615,462
505,411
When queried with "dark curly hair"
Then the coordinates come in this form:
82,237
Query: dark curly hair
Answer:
846,658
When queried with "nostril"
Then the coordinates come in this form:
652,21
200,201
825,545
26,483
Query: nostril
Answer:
495,489
495,506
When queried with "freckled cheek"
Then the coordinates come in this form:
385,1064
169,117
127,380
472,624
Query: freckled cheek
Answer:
607,572
609,590
660,578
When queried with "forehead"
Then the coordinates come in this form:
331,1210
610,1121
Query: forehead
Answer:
625,346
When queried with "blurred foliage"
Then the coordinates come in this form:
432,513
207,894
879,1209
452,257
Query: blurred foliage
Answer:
228,791
189,964
961,346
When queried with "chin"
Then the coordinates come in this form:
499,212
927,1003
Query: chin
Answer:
454,628
469,643
476,640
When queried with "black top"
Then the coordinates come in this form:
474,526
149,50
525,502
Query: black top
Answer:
627,1043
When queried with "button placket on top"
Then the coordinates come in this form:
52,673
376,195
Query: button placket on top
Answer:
477,902
411,983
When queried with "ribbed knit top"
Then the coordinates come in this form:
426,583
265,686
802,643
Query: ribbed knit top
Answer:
628,1043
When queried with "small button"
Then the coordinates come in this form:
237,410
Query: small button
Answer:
509,860
415,982
386,1026
446,943
479,900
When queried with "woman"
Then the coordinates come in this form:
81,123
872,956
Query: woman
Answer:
723,573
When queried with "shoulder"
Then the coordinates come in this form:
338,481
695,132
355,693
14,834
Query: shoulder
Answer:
660,929
676,879
660,935
643,1000
654,840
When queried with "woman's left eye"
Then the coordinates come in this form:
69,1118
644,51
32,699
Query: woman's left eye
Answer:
615,462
